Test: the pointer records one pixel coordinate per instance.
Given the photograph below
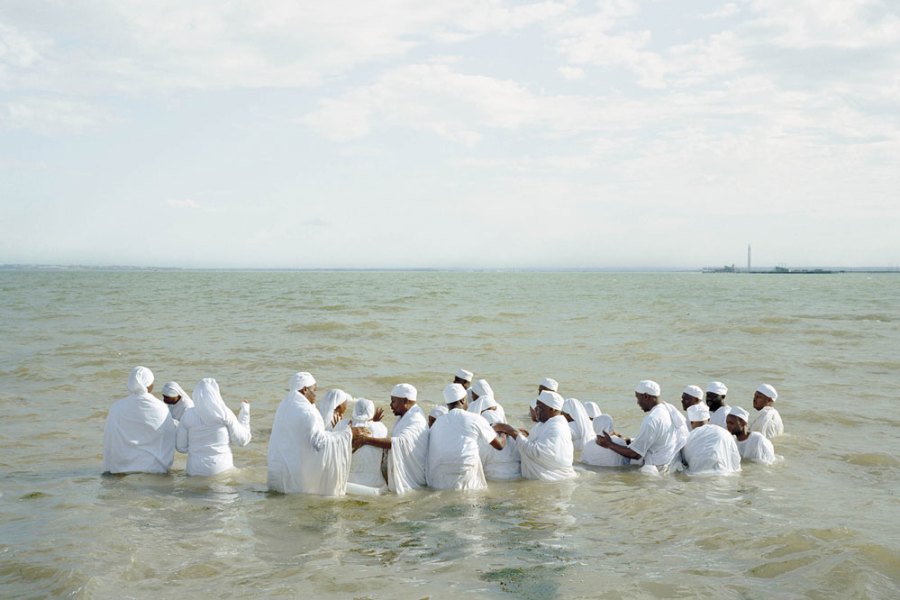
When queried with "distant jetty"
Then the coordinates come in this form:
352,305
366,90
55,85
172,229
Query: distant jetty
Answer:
775,271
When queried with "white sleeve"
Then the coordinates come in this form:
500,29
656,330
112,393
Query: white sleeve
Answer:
181,434
239,428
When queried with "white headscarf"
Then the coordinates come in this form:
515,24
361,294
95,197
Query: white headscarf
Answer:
332,400
603,423
140,379
208,403
301,380
172,389
581,423
490,403
363,412
593,411
483,390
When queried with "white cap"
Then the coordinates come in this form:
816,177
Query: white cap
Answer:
453,393
593,411
717,387
437,411
482,388
698,412
302,380
551,399
740,413
694,391
550,384
404,390
768,391
464,375
647,386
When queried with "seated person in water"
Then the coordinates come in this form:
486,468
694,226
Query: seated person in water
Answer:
752,445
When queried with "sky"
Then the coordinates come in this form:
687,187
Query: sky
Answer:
448,135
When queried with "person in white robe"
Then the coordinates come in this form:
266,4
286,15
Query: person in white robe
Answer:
691,395
303,457
454,462
546,384
365,465
176,399
752,445
139,436
715,400
482,399
407,447
436,412
332,407
547,453
207,430
662,433
598,456
499,465
709,450
592,409
579,422
768,422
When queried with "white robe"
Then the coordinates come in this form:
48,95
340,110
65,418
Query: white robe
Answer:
177,409
660,437
718,417
139,436
208,446
768,423
581,426
454,462
598,456
365,466
547,453
711,450
757,448
303,457
408,456
499,465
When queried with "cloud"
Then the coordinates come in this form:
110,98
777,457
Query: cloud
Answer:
48,116
185,203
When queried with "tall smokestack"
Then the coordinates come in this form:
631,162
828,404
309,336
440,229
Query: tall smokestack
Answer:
748,258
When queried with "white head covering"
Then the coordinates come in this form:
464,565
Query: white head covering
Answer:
698,412
551,399
363,412
208,403
603,423
405,390
482,388
464,375
550,384
593,411
301,380
768,391
437,411
139,380
453,393
172,390
694,391
647,386
740,413
332,400
717,387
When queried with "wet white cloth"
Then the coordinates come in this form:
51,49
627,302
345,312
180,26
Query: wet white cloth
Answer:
597,455
303,457
208,429
592,409
408,457
499,465
173,390
326,406
660,436
757,448
365,466
768,422
139,436
454,462
547,453
581,426
711,450
718,417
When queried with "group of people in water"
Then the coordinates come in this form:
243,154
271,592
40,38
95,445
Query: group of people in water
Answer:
339,445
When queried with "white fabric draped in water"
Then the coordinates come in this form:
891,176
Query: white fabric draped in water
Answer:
547,454
365,465
173,390
408,456
660,437
768,423
718,417
598,456
499,465
454,462
757,448
139,436
581,426
711,450
326,406
303,457
208,429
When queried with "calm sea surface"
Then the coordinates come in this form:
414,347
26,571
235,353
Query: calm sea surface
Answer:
823,524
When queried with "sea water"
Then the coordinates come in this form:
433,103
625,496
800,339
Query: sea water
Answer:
824,523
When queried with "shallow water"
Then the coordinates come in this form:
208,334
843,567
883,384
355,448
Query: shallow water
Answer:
823,524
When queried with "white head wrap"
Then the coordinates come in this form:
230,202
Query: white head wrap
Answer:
603,423
698,412
740,413
453,393
332,400
464,375
482,388
768,391
301,380
363,412
647,386
550,384
139,380
173,390
437,411
551,399
717,387
404,390
208,402
694,391
593,411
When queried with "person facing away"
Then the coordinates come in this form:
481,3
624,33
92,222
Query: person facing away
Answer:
752,445
208,429
548,452
365,464
709,450
303,457
598,456
715,400
407,447
504,464
176,399
481,398
454,462
592,409
139,436
768,422
579,422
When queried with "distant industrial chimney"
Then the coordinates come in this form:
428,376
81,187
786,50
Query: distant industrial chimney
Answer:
748,258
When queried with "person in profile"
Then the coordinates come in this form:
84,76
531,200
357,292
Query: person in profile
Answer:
768,422
691,395
139,436
752,445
